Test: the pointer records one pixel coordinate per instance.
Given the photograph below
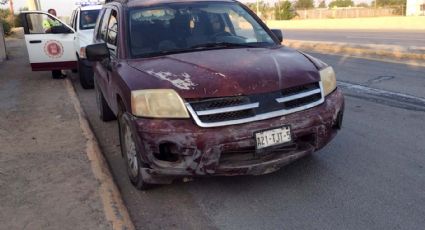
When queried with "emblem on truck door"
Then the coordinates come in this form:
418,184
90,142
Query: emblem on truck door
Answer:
53,49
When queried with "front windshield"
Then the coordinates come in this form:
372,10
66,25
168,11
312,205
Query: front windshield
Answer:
182,27
88,19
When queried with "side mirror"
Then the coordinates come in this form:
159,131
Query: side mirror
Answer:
60,30
97,52
278,34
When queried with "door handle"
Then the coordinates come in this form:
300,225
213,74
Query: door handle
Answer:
35,41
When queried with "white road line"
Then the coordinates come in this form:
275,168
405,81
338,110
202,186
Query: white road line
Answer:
380,92
407,62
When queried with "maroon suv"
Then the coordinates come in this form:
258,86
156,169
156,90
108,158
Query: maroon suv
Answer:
205,88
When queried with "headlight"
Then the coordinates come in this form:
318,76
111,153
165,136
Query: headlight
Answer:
158,103
327,76
83,52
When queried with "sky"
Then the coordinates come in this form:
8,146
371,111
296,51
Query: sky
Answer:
65,7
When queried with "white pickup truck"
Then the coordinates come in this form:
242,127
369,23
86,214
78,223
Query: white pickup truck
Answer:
83,21
62,46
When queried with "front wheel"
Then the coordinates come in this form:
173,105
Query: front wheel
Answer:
86,75
131,156
105,112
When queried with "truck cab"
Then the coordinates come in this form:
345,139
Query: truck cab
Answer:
62,45
83,21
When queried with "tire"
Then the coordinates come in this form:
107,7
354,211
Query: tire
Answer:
131,156
57,74
86,75
105,112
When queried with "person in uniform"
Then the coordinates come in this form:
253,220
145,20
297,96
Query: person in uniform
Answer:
48,24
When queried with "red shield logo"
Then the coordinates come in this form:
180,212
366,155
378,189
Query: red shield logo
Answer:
53,49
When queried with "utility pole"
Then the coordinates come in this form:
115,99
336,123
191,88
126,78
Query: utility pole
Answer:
12,11
34,5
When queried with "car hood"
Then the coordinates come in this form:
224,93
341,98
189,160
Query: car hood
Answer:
226,72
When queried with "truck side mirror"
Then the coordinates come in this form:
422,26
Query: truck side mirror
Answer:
278,34
97,52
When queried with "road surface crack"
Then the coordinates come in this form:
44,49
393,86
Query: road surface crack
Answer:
379,79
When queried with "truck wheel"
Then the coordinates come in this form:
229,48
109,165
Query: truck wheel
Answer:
131,156
86,75
105,112
57,74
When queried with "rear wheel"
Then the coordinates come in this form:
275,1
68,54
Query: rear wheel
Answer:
131,156
105,112
86,75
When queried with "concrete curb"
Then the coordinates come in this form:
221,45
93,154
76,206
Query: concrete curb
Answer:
113,205
412,53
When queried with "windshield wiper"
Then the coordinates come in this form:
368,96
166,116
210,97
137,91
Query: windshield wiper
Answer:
221,45
199,47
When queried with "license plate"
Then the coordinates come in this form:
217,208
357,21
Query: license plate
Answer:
273,137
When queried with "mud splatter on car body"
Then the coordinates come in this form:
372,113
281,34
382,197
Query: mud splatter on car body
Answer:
230,94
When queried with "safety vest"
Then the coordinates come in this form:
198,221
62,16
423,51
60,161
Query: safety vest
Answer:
49,23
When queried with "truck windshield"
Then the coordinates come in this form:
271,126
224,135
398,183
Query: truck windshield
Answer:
186,27
88,19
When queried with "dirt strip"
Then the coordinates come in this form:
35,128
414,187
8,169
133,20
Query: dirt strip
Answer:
115,210
413,55
52,172
46,180
364,23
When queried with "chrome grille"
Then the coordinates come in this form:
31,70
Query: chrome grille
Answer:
228,116
219,103
242,109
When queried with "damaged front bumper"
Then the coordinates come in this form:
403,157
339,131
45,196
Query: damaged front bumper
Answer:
180,148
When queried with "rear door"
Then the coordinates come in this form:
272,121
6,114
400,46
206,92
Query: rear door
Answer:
49,42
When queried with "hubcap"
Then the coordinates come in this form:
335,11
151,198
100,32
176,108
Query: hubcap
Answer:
130,148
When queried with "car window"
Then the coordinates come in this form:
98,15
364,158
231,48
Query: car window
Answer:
39,23
184,26
88,19
241,26
111,37
99,24
104,26
72,19
112,29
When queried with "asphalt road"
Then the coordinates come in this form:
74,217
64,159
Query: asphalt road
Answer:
382,37
372,176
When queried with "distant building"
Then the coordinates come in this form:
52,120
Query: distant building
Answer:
415,8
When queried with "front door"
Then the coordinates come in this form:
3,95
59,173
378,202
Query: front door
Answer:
49,42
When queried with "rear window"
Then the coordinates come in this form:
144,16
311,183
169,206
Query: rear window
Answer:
88,19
